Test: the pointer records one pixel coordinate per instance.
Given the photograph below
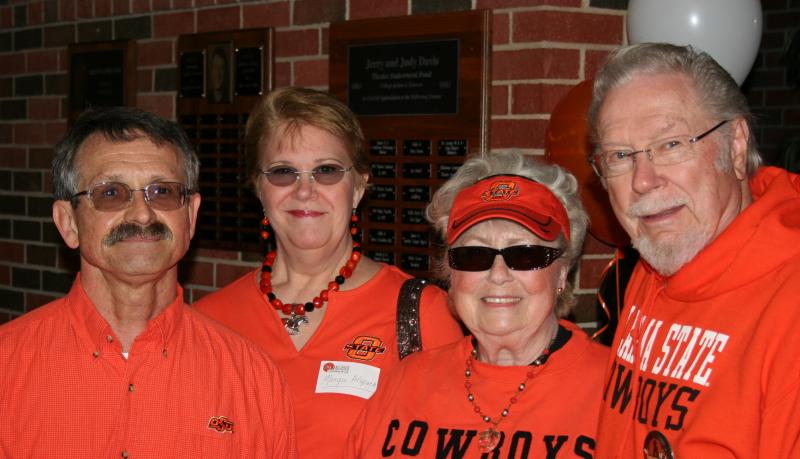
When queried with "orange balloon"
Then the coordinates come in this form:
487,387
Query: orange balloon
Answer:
567,144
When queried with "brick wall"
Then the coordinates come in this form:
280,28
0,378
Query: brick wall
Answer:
541,48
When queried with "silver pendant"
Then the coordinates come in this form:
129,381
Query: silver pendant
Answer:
488,440
292,324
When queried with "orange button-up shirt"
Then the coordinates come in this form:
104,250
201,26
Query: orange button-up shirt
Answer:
189,388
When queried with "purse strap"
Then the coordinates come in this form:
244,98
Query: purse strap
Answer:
409,339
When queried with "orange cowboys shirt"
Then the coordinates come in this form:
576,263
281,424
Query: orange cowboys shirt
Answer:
187,389
706,363
422,410
346,359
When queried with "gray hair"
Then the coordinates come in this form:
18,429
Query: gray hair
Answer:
118,124
560,182
715,89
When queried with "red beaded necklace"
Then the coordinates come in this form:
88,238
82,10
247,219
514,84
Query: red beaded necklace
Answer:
489,438
297,311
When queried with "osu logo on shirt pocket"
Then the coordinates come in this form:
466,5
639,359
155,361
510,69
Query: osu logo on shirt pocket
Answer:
221,424
364,348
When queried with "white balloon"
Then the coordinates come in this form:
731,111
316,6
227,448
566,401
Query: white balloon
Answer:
728,30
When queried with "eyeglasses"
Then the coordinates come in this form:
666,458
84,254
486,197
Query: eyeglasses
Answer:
517,257
610,163
325,174
112,196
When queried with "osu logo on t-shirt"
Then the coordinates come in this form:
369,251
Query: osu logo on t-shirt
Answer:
221,424
364,348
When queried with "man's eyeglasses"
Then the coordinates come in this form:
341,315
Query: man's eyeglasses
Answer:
610,163
113,196
325,174
517,257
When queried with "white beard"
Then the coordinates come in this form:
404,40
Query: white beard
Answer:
667,256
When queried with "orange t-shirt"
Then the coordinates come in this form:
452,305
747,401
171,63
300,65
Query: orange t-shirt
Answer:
187,389
355,345
423,411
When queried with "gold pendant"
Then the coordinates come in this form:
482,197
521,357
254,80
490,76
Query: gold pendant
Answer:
488,440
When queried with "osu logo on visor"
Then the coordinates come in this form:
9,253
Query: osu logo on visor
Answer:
364,348
501,191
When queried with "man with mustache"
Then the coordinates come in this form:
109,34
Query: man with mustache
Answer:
121,367
705,360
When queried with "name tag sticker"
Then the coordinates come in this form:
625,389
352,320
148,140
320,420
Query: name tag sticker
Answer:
349,378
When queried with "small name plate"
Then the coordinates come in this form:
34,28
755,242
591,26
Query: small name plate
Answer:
415,239
417,147
417,193
383,170
383,147
446,171
456,147
413,261
381,214
413,216
417,170
382,257
383,192
381,236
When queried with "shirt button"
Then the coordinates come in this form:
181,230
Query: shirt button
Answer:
95,354
124,453
109,338
130,387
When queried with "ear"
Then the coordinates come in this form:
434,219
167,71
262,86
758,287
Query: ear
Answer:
741,135
194,206
360,189
65,219
562,275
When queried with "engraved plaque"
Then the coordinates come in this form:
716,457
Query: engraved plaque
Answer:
414,262
456,147
410,78
413,216
415,239
192,71
417,170
381,214
381,147
417,193
446,171
383,170
381,257
417,147
382,192
380,236
249,70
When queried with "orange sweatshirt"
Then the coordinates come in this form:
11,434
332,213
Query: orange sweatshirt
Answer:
346,359
423,411
187,388
706,363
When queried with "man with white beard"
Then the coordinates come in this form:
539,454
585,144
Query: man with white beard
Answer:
705,362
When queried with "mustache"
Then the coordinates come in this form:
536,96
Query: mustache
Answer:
653,205
129,230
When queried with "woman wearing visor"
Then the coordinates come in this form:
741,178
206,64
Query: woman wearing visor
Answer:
526,383
325,313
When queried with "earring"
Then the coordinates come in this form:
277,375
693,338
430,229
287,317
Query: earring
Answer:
355,231
559,290
265,228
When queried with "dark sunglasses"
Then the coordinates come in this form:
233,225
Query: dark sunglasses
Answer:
517,257
325,174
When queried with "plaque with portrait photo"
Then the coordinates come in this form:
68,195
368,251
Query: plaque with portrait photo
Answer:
219,73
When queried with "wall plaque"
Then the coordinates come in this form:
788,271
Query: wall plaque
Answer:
221,75
420,85
101,75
